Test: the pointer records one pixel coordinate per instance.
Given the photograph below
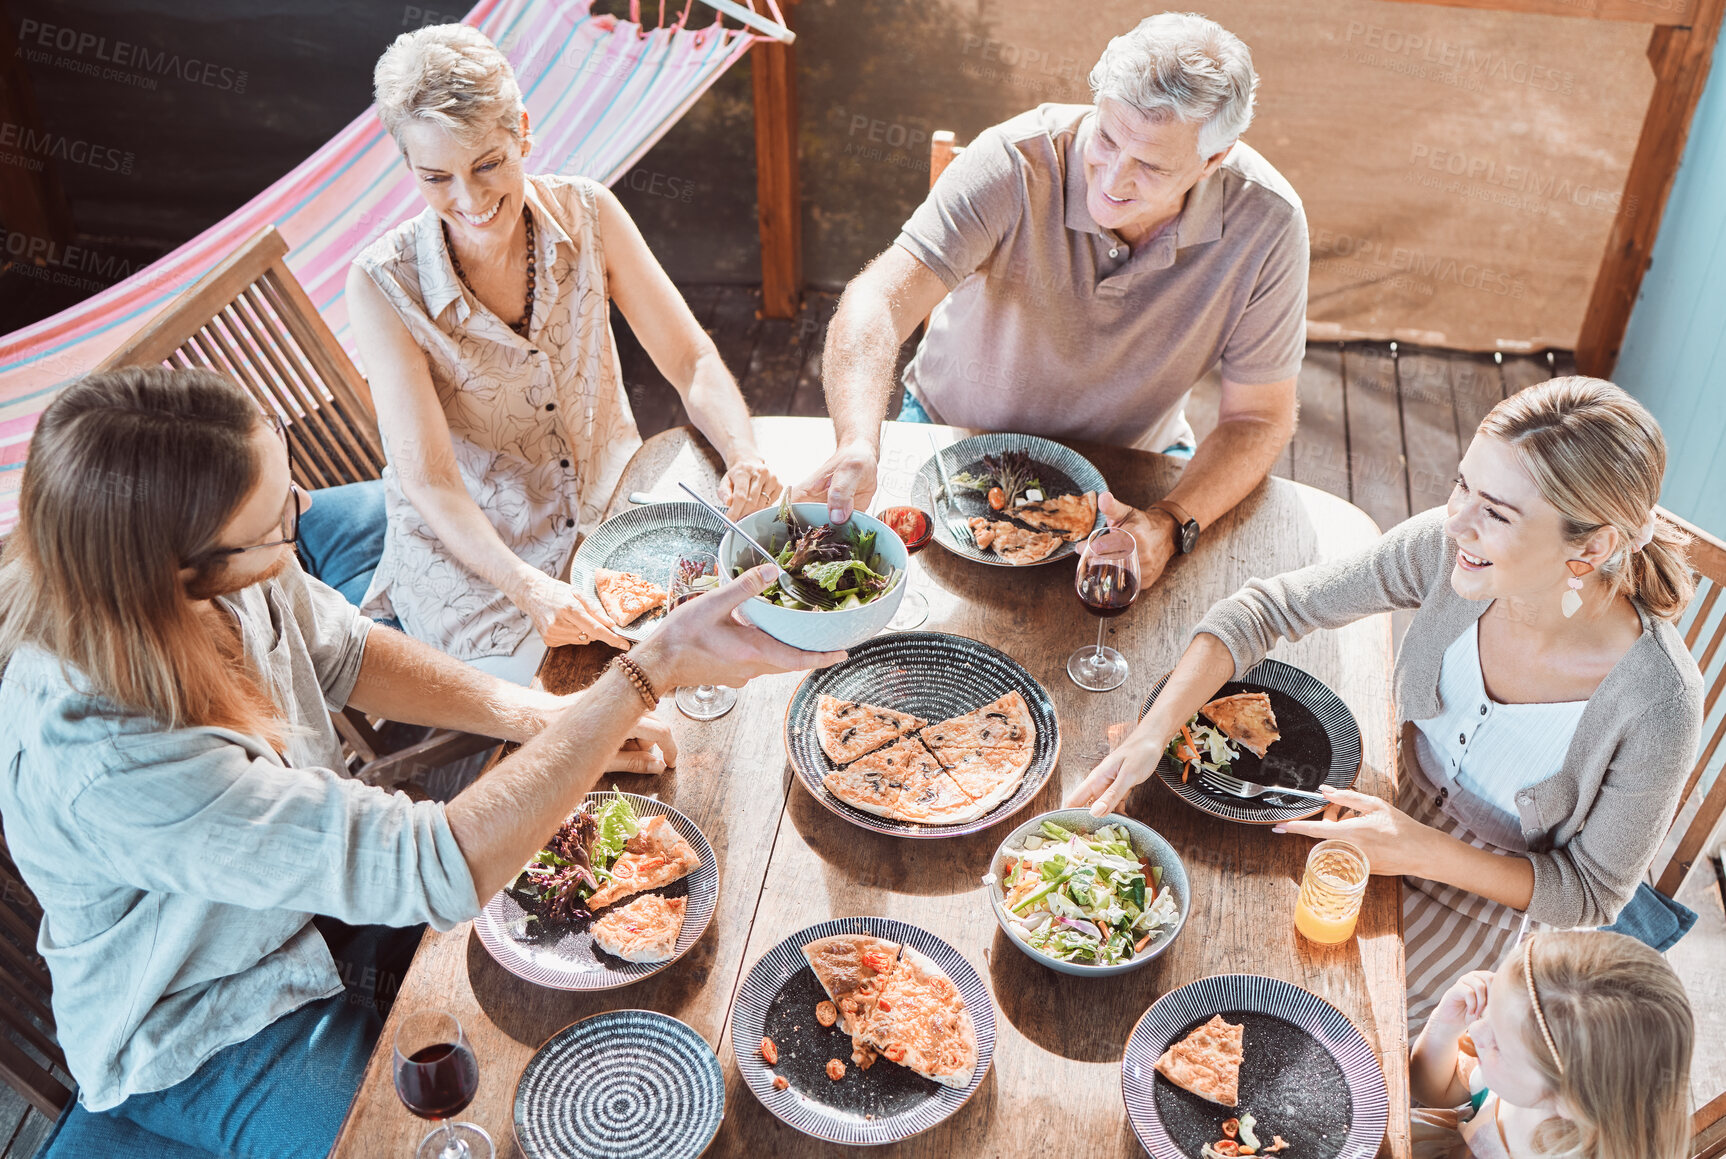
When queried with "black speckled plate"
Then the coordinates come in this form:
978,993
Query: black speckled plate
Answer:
935,676
620,1085
1320,745
645,540
883,1104
565,957
1061,470
1307,1074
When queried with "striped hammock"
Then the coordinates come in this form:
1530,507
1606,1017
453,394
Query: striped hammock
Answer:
599,93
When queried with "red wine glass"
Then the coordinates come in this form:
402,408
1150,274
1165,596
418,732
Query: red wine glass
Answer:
1107,582
436,1078
694,573
915,529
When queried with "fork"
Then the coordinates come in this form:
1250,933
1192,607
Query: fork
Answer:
809,592
1235,787
956,526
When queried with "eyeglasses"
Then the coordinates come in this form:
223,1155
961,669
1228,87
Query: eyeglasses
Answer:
290,524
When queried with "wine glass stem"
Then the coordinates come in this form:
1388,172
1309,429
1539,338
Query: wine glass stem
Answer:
453,1148
1097,656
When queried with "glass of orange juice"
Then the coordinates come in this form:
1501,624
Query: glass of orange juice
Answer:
1330,892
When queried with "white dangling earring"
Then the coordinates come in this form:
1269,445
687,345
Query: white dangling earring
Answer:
1571,603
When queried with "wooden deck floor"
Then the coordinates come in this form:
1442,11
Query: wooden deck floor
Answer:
1380,426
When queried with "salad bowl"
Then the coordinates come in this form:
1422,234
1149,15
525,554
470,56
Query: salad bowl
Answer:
816,631
1041,836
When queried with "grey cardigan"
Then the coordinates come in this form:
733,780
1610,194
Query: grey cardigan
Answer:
1594,827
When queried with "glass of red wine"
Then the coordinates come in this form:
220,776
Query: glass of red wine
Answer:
915,529
694,573
1108,583
436,1077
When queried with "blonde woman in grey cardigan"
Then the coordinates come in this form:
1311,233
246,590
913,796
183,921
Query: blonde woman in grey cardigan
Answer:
1548,709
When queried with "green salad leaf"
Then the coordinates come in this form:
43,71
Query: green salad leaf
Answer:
617,824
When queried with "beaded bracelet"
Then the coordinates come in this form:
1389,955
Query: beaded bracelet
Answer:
637,677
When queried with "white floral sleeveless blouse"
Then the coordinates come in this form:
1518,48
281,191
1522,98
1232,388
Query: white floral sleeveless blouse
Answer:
541,425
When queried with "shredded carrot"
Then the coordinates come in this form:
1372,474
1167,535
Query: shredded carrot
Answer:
1143,942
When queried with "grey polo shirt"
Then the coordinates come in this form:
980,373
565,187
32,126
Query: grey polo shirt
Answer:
1054,326
179,869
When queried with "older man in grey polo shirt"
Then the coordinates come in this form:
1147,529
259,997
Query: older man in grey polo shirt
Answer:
1086,265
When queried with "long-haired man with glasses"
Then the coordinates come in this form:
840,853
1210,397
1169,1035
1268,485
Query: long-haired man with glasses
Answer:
172,790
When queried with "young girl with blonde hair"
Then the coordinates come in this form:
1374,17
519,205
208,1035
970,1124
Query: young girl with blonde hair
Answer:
1579,1045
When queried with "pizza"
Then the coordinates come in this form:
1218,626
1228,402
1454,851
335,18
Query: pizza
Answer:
1004,723
1245,718
920,1022
897,1002
1072,516
1207,1062
848,729
1012,542
990,776
875,782
930,797
626,596
645,930
654,858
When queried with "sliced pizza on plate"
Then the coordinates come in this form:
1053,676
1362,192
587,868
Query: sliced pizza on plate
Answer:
655,857
626,596
848,728
1207,1062
1012,542
1071,516
645,930
1245,718
875,782
1004,723
920,1022
851,967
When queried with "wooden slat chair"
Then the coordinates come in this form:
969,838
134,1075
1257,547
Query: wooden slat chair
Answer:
31,1062
250,319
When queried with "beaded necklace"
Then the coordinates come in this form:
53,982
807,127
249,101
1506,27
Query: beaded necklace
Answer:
520,327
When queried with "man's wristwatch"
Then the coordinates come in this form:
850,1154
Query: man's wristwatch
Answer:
1186,527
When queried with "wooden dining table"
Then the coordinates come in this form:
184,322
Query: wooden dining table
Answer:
786,862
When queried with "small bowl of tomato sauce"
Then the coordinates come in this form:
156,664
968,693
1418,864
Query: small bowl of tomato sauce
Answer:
912,525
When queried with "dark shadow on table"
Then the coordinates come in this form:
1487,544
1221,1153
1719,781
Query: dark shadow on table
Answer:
1084,1019
532,1014
930,866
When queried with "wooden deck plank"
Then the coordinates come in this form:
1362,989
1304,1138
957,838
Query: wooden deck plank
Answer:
736,327
1425,385
31,1134
808,398
1319,450
1378,471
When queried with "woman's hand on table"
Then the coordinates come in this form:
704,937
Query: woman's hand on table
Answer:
748,486
563,615
845,482
1122,771
1153,533
706,642
1394,842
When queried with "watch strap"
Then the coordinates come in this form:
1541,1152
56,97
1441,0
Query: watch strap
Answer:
1175,510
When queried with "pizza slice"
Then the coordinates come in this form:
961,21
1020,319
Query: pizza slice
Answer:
1245,718
654,858
626,596
1013,543
931,797
1005,723
851,968
1071,516
921,1023
1207,1062
645,930
989,776
876,781
848,729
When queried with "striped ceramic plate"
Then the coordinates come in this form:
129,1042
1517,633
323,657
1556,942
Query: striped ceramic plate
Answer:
620,1085
935,676
1061,471
1320,745
645,540
1307,1074
566,958
883,1104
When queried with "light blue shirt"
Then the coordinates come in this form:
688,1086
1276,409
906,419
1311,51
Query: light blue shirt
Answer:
179,869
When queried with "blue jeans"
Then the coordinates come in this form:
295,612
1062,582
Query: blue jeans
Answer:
281,1094
342,536
911,411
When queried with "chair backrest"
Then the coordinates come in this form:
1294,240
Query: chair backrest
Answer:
31,1062
1704,627
250,319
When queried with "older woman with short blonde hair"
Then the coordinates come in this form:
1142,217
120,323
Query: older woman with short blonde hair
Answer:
483,326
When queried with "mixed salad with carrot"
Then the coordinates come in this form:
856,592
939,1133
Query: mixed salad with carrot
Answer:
1201,745
1086,897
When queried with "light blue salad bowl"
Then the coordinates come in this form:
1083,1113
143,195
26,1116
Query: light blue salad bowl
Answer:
1146,842
815,631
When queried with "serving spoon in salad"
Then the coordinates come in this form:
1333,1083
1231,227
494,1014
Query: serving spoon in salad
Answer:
807,591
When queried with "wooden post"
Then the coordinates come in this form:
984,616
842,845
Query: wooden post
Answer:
778,192
1681,57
